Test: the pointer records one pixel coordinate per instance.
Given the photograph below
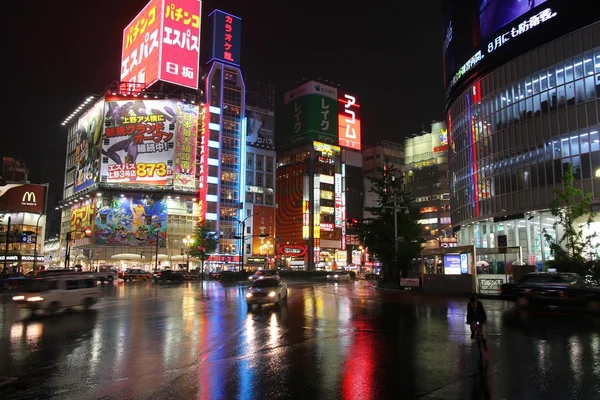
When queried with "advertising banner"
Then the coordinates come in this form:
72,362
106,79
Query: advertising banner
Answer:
82,217
203,163
311,113
349,133
186,142
226,37
87,150
22,198
261,128
263,221
139,141
452,264
131,221
163,43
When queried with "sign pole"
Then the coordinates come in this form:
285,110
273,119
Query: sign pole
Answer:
7,243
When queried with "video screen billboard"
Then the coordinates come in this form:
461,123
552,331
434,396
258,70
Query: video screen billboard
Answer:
138,141
17,197
186,143
163,43
260,131
131,221
481,33
82,217
263,222
311,113
88,147
349,133
226,37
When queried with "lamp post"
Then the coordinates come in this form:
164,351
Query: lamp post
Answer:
188,241
241,237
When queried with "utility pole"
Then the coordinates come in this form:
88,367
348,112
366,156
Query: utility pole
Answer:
7,243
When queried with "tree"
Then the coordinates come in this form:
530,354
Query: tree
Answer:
205,242
378,233
571,249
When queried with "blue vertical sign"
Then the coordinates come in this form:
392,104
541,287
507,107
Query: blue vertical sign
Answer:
464,263
226,37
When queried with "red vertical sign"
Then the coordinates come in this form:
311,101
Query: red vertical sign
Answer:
203,163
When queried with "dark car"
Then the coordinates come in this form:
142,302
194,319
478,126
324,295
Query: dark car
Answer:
168,276
560,289
12,281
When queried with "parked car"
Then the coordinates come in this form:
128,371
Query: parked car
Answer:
168,276
265,273
132,274
556,289
266,291
339,276
12,281
54,292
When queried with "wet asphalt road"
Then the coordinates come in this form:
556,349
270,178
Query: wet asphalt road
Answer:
346,341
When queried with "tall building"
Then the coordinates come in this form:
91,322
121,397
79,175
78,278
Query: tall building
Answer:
312,175
426,178
376,158
522,104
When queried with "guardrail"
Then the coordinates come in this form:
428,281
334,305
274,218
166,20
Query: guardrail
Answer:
489,285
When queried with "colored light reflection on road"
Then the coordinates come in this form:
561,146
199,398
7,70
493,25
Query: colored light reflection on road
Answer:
358,373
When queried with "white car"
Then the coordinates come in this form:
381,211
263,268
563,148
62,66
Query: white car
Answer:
59,291
267,291
338,276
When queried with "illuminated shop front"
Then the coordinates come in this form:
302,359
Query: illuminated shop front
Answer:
514,129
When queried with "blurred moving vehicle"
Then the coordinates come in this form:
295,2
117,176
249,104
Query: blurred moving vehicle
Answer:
54,292
12,281
133,274
554,289
266,291
266,273
168,276
339,276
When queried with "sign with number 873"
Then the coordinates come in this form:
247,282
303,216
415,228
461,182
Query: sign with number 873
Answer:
150,170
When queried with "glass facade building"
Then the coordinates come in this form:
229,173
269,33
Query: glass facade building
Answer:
514,130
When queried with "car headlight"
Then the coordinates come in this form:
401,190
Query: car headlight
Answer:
250,278
272,294
248,294
35,298
16,298
335,276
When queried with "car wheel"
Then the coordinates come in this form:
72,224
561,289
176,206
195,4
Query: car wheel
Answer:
88,303
593,305
53,307
523,302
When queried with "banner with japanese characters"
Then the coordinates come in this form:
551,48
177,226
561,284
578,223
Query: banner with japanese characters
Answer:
82,218
186,143
138,141
88,146
311,113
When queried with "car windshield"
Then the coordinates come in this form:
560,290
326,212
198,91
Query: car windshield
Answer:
266,283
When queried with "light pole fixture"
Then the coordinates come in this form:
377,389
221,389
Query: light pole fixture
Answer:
187,242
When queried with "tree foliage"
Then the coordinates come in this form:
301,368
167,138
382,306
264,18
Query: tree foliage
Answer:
378,232
571,248
205,242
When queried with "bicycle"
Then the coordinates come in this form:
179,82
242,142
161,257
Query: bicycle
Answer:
481,346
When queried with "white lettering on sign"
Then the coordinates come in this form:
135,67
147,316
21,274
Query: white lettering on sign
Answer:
325,114
297,114
500,40
350,128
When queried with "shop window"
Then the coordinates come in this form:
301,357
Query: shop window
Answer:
269,164
213,189
249,197
250,161
259,180
259,198
211,207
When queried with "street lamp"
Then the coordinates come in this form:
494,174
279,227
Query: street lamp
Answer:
187,242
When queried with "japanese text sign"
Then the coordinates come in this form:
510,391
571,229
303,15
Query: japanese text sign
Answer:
227,37
349,134
163,43
203,135
185,145
263,222
82,217
138,141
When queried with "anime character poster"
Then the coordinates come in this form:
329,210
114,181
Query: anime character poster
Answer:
139,141
131,221
186,143
87,149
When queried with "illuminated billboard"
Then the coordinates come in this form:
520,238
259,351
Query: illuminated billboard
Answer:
311,113
226,37
131,221
88,147
263,222
17,197
349,134
186,143
82,217
487,33
163,43
260,131
203,136
138,141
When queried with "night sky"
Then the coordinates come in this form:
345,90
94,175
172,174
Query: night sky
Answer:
60,52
